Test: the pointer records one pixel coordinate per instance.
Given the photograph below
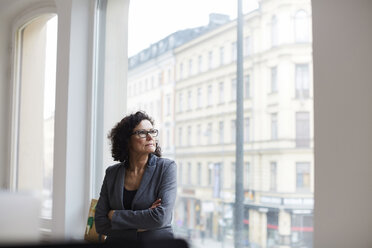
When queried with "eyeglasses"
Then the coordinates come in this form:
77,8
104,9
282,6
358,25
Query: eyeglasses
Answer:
144,133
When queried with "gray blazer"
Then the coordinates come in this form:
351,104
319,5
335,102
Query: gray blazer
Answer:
158,181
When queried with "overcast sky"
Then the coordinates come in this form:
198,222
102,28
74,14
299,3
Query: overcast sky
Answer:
151,21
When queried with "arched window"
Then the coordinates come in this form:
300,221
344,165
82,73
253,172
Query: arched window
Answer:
34,107
301,25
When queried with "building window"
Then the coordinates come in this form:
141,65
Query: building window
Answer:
273,176
302,26
247,46
210,173
180,136
199,97
198,134
181,71
189,100
233,51
274,79
274,126
167,104
167,138
217,184
302,81
221,92
209,95
233,89
221,132
200,63
247,176
210,60
302,129
199,176
190,67
303,176
180,102
222,55
233,169
189,135
247,86
274,31
209,133
189,173
246,129
233,131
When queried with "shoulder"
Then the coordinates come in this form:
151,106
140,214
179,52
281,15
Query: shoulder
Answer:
113,168
162,163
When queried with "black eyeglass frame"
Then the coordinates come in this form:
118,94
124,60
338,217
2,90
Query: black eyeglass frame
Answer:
143,133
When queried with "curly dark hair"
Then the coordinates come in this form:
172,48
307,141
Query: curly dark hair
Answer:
121,132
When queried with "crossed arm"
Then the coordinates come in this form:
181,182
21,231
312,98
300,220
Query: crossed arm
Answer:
157,215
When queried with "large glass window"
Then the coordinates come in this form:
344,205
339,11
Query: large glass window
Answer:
34,101
277,137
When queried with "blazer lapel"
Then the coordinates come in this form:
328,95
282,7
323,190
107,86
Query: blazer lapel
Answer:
147,175
119,187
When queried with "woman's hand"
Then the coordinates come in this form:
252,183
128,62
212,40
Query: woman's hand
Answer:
157,203
110,214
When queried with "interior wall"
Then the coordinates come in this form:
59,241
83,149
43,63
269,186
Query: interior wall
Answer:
342,40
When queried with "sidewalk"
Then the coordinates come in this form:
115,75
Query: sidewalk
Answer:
212,243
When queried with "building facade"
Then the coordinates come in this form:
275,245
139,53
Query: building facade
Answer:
278,130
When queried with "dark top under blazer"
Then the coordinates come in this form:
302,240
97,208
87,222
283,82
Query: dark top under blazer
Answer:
158,181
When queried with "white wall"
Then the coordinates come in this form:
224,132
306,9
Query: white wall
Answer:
343,123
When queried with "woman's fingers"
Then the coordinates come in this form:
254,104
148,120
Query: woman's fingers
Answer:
157,203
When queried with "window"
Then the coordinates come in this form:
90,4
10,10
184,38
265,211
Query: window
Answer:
247,176
199,97
209,133
217,183
222,55
180,136
274,126
181,71
247,46
167,138
199,176
302,129
273,175
210,172
200,63
302,26
233,131
302,81
180,102
221,131
246,129
274,31
221,92
190,67
189,135
233,51
274,80
210,60
189,173
232,173
189,100
209,97
233,89
180,173
198,134
33,164
303,176
167,104
247,86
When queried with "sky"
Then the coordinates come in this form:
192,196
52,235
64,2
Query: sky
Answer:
151,21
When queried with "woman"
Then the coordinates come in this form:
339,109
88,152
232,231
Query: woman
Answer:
138,194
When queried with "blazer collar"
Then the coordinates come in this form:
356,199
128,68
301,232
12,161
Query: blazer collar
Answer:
146,178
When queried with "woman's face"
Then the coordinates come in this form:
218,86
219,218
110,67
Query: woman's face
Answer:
142,145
